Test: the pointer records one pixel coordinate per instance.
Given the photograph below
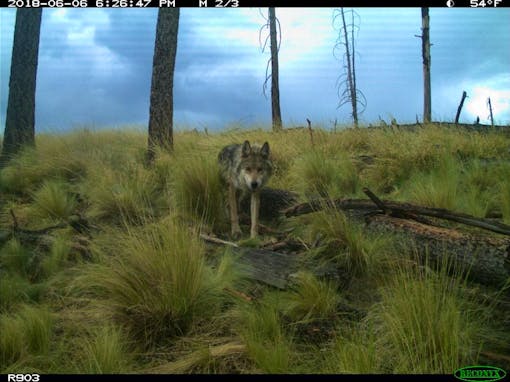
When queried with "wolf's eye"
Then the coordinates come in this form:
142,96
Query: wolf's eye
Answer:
259,169
248,169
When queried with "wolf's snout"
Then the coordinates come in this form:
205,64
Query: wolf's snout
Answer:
254,185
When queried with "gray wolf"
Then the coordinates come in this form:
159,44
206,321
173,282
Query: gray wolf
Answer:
246,169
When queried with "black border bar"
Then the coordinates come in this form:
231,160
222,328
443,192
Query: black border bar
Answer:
478,4
226,377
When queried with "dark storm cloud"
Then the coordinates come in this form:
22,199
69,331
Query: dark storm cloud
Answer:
118,90
95,65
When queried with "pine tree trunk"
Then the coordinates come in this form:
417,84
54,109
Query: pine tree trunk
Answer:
275,87
20,118
161,107
427,108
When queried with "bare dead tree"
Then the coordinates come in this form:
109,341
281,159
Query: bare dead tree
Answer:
346,83
425,48
464,95
274,37
490,111
161,103
20,118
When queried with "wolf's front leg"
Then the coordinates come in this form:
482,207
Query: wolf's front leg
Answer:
234,217
254,212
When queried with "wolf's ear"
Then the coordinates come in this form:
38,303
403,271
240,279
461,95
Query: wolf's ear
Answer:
265,150
246,150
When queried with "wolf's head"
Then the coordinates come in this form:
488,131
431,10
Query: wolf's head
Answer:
256,166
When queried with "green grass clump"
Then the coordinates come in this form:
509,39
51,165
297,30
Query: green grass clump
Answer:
354,351
505,200
17,259
199,193
22,173
15,289
318,174
57,256
25,333
438,188
156,283
129,195
426,324
104,352
53,201
267,343
311,298
346,244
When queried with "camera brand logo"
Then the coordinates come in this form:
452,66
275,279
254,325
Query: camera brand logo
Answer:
480,373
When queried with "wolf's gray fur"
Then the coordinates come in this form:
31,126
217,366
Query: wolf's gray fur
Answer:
246,169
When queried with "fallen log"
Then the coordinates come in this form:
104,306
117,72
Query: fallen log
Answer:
397,209
270,267
486,259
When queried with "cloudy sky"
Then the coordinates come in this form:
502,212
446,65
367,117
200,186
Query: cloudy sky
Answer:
95,66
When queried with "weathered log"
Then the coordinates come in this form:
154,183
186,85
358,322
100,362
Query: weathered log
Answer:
272,268
319,204
398,209
266,266
486,259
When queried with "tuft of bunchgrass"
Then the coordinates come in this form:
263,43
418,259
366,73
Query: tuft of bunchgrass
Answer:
25,332
505,200
346,244
425,322
208,359
12,345
266,342
156,283
199,193
16,258
322,175
311,298
104,352
53,201
14,289
131,194
22,173
353,352
57,256
438,188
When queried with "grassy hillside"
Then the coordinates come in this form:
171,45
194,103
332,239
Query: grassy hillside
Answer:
138,291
